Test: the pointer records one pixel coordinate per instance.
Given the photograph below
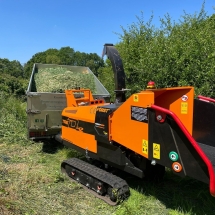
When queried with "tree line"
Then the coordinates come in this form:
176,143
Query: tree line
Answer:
178,53
175,54
14,77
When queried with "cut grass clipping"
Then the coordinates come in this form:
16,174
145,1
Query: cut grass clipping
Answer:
56,80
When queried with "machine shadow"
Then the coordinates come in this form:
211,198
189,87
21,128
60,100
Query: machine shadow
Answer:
185,194
51,146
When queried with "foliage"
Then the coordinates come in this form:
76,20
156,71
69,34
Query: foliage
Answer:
31,181
11,85
12,78
12,119
13,68
176,54
65,56
106,76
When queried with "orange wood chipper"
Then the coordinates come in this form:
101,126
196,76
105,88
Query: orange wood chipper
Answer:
140,135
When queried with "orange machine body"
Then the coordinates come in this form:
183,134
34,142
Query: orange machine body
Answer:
124,126
154,125
144,133
129,124
78,119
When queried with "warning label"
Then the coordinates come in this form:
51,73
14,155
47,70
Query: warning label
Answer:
135,97
184,107
145,148
156,150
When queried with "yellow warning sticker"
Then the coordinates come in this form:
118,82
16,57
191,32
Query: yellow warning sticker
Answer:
145,148
156,150
136,98
184,107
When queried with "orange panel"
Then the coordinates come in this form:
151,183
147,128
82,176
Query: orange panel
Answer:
130,133
81,120
72,101
80,117
133,134
78,138
178,100
85,113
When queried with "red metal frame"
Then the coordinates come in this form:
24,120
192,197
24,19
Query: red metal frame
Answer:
208,99
195,145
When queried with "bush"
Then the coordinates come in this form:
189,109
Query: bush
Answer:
12,119
176,54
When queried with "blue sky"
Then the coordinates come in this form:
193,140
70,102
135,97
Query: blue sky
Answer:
32,26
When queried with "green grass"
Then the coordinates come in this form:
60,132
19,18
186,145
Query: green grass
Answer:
31,181
172,196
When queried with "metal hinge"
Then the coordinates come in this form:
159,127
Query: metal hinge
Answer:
46,122
33,111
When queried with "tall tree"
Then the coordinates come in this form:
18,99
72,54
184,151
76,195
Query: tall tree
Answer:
14,68
65,56
11,77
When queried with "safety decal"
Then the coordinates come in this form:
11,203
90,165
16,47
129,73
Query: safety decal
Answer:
173,156
156,150
177,167
136,98
145,147
184,107
184,98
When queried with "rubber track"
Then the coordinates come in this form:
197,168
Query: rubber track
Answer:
114,181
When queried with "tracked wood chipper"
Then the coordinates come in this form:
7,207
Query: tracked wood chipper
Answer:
140,135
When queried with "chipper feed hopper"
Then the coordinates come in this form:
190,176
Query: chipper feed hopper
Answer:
141,135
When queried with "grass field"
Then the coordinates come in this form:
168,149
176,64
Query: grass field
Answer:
31,181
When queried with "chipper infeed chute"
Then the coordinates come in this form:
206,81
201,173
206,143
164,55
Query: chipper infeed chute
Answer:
185,136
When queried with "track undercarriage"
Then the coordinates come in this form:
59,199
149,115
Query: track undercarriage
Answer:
100,183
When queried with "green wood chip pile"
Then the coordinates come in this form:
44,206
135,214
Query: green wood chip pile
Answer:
57,80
